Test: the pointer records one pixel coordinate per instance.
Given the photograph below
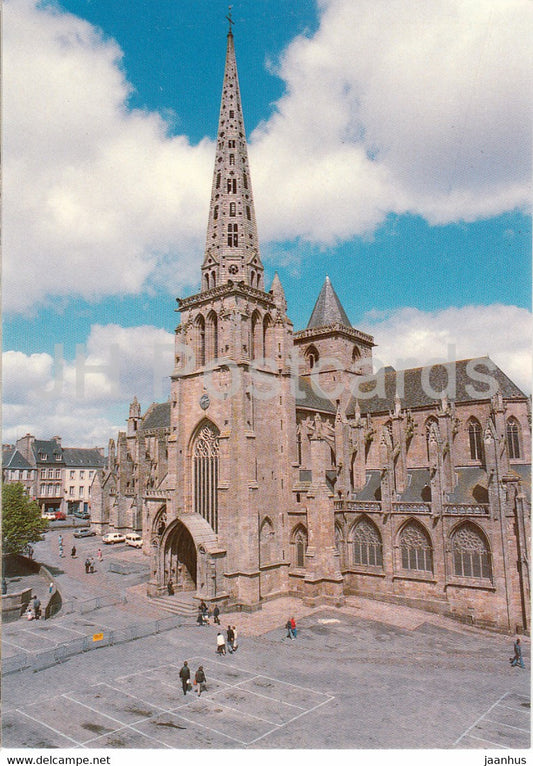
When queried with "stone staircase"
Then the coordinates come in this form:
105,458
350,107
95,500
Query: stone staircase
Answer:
182,603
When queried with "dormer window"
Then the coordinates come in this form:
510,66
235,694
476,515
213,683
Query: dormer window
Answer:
42,456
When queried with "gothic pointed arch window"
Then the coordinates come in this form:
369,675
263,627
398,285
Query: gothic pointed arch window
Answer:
427,430
266,540
256,337
340,544
298,546
205,457
416,548
212,336
199,326
513,439
268,332
365,543
471,552
475,439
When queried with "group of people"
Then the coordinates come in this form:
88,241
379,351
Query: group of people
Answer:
89,565
291,628
200,681
203,614
33,612
230,642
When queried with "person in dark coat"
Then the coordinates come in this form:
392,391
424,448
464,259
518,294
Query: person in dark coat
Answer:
216,613
229,640
73,552
200,680
170,588
517,659
185,675
36,607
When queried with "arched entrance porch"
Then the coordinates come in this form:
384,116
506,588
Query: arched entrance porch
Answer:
179,554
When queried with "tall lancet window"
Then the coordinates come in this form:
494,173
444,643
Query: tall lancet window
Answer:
233,235
205,454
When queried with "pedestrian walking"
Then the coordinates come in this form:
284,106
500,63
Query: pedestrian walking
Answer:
293,628
288,629
60,540
216,613
91,565
99,554
235,644
73,552
4,586
200,680
221,644
517,659
87,565
229,635
36,608
185,675
170,587
61,554
51,587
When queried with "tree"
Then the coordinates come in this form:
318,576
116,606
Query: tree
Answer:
22,522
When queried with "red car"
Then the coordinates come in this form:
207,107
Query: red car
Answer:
60,516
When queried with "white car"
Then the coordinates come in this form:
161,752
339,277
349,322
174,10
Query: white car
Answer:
134,540
113,537
50,515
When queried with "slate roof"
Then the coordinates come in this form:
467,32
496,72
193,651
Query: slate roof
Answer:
370,490
50,448
410,386
156,416
328,309
75,457
12,458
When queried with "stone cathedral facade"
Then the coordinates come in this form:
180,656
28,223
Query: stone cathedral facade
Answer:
283,464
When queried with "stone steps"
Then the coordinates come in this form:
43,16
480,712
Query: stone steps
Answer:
177,604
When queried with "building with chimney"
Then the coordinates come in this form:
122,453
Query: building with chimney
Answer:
283,463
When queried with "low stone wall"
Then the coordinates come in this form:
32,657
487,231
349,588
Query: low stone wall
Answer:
15,604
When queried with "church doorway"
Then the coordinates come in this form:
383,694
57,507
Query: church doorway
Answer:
180,558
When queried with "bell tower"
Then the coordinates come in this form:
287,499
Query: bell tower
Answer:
232,402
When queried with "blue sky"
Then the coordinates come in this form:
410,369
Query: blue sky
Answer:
389,148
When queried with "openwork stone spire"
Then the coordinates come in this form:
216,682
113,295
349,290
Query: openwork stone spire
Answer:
232,246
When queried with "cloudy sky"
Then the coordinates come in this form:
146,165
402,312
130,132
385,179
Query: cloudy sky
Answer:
390,148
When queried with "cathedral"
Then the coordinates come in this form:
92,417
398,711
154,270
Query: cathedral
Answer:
284,464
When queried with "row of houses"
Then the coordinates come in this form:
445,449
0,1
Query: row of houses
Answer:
58,478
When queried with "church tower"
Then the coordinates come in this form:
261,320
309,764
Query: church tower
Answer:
232,402
232,246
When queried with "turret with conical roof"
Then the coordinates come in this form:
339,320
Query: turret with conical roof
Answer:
329,335
232,245
328,309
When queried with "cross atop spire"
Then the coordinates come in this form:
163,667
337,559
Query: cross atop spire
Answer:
232,245
231,22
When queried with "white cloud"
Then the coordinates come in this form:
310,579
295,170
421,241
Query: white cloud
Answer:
395,106
392,106
93,204
411,338
85,400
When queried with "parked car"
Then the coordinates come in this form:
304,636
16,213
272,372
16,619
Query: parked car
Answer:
134,540
60,516
85,532
82,515
50,515
113,537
